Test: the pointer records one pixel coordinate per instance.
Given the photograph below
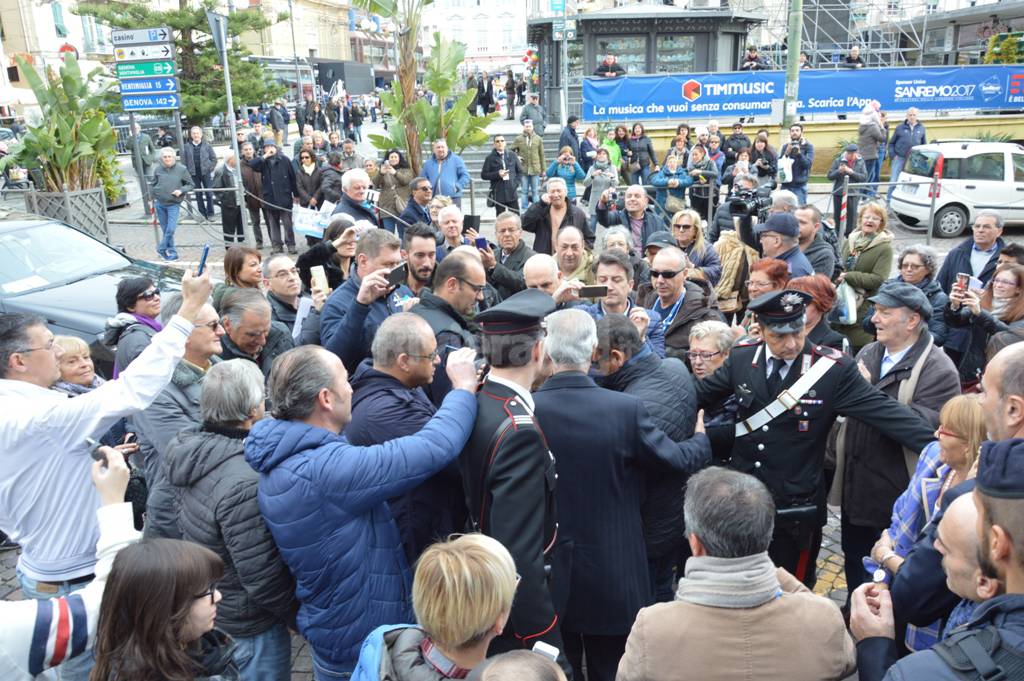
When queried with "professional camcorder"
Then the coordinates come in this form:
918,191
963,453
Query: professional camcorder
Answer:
751,203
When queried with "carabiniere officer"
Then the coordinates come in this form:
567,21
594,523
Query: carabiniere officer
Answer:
789,393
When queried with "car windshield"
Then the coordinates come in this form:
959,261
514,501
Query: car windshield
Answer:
51,254
922,162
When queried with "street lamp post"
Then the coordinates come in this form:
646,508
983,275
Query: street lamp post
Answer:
295,56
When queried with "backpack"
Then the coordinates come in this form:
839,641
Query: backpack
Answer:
979,654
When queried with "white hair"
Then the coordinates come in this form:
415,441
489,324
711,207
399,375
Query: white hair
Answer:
167,151
571,338
554,180
452,209
352,175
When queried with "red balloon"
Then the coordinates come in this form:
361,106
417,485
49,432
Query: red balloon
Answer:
529,52
526,59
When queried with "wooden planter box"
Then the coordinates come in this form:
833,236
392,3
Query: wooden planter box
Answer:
85,209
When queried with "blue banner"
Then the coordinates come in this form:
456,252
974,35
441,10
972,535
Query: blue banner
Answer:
734,94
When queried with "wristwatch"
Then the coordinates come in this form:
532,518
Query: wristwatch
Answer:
881,576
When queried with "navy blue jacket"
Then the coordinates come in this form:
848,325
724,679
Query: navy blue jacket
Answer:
569,138
357,211
799,265
599,509
906,138
384,409
278,180
959,260
803,159
414,213
325,503
347,327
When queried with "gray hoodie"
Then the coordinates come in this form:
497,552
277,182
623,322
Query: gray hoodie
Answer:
167,180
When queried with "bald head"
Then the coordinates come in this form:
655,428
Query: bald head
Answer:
957,540
541,272
1002,398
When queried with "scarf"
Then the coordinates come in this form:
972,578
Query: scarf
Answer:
148,321
74,389
746,582
999,306
860,242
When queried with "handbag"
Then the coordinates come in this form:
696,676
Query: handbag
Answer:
844,312
785,170
674,204
634,167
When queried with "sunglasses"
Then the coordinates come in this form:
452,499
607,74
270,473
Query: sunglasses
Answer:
150,294
667,274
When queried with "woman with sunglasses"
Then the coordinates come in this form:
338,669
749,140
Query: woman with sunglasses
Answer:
157,616
462,596
130,331
944,463
999,308
689,235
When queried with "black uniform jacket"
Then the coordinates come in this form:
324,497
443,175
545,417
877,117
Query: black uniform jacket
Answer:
508,474
787,454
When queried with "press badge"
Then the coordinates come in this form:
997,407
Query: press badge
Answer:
804,426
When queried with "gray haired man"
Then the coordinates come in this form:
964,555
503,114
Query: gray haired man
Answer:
731,594
250,333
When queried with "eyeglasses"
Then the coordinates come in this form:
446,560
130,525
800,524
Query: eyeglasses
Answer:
425,188
210,593
478,288
150,294
432,356
948,433
681,226
668,274
1004,282
702,356
756,284
212,326
911,266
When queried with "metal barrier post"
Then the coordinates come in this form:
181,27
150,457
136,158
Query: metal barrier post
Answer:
712,192
842,207
933,189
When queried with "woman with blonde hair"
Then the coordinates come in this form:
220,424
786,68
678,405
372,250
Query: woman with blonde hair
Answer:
436,204
867,261
462,595
944,463
689,236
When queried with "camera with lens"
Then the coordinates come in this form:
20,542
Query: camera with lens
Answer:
751,202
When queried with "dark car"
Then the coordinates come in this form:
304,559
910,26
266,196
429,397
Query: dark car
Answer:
67,277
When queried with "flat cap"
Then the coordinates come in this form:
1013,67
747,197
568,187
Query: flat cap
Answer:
902,294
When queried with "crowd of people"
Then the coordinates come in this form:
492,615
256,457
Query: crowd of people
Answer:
433,455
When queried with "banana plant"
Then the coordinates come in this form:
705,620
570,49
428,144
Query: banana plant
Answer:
69,146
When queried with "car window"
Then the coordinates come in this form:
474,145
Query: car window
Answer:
985,167
922,162
953,168
1018,167
50,254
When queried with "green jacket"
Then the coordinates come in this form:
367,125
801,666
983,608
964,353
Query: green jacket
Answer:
868,271
531,151
614,152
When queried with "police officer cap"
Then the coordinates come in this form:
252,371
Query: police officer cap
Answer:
901,294
1001,469
660,239
780,223
781,311
523,312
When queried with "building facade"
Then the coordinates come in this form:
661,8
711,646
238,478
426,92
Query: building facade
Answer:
493,31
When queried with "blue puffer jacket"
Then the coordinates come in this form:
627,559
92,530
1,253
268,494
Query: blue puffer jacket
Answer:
661,178
448,177
324,501
347,327
707,260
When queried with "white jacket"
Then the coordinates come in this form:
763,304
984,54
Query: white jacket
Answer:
37,635
47,499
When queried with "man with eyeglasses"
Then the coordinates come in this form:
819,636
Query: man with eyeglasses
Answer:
978,257
505,268
679,302
389,401
175,409
48,502
790,393
459,283
417,209
284,293
250,332
780,239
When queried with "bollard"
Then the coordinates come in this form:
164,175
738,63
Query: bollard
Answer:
842,206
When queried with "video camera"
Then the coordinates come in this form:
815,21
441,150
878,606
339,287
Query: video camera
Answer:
751,203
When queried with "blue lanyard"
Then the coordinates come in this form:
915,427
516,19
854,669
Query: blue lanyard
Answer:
668,319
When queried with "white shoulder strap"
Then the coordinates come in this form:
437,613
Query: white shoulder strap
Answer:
787,399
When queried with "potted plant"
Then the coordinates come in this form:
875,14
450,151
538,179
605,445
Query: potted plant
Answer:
71,153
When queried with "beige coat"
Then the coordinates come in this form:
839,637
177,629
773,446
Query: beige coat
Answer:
796,637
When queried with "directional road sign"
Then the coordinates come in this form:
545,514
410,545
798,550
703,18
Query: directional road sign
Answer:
142,69
140,36
143,52
149,102
145,86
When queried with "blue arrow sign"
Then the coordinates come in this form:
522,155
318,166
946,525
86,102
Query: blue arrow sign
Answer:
150,102
140,86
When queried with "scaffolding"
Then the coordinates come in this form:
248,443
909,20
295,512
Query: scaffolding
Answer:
881,28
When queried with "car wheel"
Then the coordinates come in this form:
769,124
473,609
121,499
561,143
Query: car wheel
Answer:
950,221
